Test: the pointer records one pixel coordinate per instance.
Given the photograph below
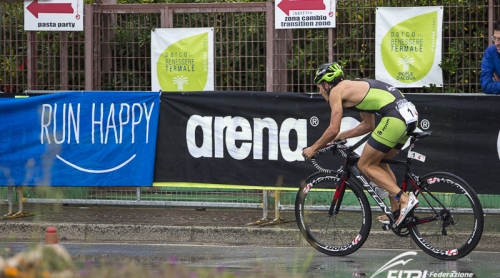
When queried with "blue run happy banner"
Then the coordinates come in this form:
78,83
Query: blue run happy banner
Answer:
79,139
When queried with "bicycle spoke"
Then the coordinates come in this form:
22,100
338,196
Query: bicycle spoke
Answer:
339,234
459,227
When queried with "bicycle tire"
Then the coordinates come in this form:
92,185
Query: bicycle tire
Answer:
341,234
465,218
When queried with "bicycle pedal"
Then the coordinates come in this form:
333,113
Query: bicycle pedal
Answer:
410,220
386,227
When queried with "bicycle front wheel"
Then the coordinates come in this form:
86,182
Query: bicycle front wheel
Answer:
337,235
455,205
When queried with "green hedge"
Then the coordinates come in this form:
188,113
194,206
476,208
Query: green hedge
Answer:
465,36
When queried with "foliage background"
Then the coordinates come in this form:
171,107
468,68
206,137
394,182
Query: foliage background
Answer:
123,53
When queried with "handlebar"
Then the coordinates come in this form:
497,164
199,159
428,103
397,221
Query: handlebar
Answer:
349,150
330,146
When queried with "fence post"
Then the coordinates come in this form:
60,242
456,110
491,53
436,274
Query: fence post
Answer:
89,47
282,54
166,18
63,60
32,60
138,194
9,199
269,46
491,19
277,217
108,23
332,35
264,204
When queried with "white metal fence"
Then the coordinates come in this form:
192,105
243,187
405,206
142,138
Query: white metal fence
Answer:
278,200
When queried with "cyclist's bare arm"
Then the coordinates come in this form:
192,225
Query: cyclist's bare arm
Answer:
366,125
335,101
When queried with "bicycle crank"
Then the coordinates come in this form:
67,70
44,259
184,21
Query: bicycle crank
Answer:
403,231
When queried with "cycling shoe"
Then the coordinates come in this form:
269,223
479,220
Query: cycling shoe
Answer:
412,203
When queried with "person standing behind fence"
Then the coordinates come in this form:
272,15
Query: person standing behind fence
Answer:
490,65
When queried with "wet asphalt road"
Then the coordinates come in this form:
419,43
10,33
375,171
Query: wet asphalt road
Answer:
364,262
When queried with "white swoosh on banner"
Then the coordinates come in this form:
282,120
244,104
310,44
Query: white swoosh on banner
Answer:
498,145
96,171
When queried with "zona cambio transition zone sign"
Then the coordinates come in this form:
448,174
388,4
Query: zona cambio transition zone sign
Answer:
296,14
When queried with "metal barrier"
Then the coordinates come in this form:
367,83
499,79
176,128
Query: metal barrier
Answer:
148,196
265,199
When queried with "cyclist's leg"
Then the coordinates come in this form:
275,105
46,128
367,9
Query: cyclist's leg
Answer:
393,152
369,164
393,202
410,127
384,138
388,134
386,167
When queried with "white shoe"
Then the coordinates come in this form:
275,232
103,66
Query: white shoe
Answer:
412,203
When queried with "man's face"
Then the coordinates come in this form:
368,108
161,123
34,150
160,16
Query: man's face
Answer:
322,91
496,34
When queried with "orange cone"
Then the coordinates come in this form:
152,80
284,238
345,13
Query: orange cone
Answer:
51,235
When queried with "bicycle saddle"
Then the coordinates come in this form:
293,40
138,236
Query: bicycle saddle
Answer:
419,135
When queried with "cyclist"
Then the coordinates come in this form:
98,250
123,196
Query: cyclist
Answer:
368,97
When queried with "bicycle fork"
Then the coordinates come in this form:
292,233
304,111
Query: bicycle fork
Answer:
339,194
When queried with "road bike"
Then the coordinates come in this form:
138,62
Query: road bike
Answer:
334,215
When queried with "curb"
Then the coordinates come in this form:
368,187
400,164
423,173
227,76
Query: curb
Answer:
157,234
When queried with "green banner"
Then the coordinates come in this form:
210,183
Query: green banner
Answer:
182,59
408,47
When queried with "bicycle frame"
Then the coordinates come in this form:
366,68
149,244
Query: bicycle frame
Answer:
349,167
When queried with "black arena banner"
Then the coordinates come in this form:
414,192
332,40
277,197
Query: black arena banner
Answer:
465,137
256,138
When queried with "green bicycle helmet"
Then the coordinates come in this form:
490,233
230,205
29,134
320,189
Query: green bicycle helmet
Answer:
330,73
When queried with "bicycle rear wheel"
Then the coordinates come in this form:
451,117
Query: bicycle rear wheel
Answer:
461,219
337,235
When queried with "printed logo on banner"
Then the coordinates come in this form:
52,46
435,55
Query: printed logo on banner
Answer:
198,163
81,139
408,48
120,118
399,262
407,59
498,145
182,65
220,132
182,59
